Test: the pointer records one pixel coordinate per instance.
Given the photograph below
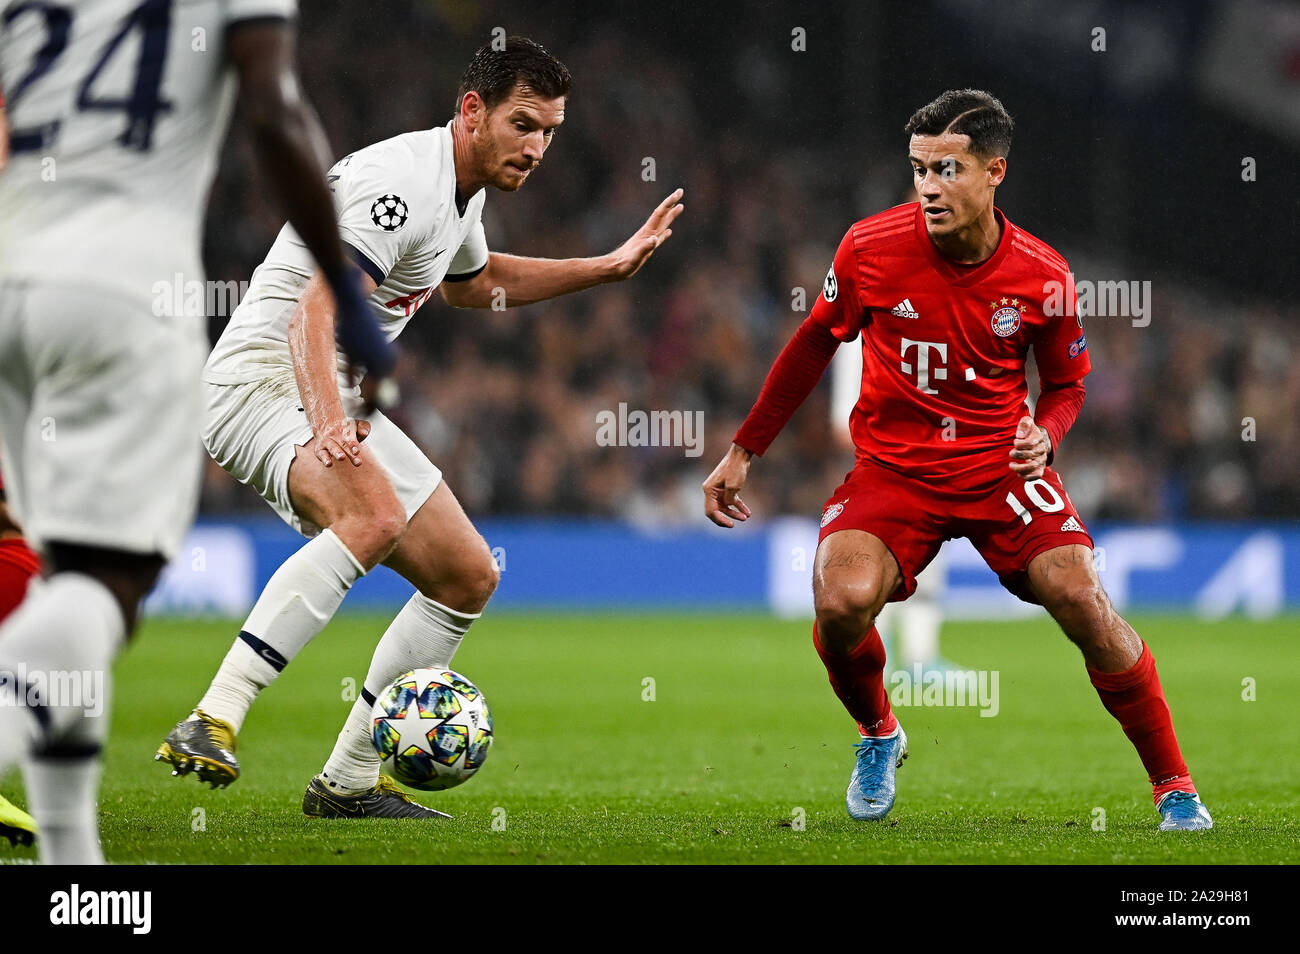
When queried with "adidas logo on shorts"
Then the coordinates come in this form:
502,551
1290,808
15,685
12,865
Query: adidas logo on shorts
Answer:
1072,524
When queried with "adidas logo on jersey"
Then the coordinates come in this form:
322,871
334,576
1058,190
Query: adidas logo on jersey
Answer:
904,309
1073,524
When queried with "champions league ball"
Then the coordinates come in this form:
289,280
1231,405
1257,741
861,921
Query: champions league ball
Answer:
431,728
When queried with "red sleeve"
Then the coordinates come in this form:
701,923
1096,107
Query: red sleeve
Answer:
796,372
836,316
838,308
1061,353
1057,410
1061,348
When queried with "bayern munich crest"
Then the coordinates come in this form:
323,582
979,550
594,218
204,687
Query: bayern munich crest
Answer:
1006,320
388,212
833,511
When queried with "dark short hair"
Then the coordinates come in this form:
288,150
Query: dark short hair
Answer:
971,112
494,73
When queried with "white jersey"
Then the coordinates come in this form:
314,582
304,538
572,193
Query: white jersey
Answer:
117,110
397,212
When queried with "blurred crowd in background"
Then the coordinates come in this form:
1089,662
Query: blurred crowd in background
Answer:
1192,416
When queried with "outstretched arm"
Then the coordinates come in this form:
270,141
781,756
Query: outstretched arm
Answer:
526,280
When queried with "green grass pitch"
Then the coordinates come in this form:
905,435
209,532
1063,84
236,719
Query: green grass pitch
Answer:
742,755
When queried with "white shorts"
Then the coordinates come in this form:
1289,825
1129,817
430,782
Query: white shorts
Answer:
99,417
253,429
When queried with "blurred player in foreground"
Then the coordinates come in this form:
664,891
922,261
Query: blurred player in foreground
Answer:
409,209
116,113
949,296
18,567
18,564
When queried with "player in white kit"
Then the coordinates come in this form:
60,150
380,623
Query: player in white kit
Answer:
281,418
116,110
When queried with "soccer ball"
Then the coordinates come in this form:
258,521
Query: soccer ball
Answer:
432,728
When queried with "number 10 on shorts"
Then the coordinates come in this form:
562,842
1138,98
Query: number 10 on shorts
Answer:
1035,491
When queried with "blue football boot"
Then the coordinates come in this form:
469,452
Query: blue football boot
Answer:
1183,811
871,786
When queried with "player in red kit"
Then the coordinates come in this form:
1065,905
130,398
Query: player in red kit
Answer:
950,297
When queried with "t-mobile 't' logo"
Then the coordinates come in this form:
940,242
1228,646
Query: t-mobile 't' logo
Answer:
923,371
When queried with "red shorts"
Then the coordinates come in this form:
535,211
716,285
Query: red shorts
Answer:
1010,520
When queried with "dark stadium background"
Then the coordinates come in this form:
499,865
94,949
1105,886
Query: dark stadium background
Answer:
1128,161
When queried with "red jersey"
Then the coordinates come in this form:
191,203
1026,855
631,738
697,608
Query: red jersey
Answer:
944,346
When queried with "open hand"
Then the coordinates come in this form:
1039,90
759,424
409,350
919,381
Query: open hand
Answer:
627,260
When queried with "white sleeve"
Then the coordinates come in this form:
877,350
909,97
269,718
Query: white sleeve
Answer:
237,10
370,194
471,258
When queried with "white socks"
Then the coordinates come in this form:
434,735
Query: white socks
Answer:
60,642
61,795
425,635
299,599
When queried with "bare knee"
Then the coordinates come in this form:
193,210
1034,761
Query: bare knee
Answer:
1082,609
371,532
484,581
846,612
359,505
854,575
473,584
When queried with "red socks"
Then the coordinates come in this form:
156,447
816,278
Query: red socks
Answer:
1134,697
18,564
1137,702
859,681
